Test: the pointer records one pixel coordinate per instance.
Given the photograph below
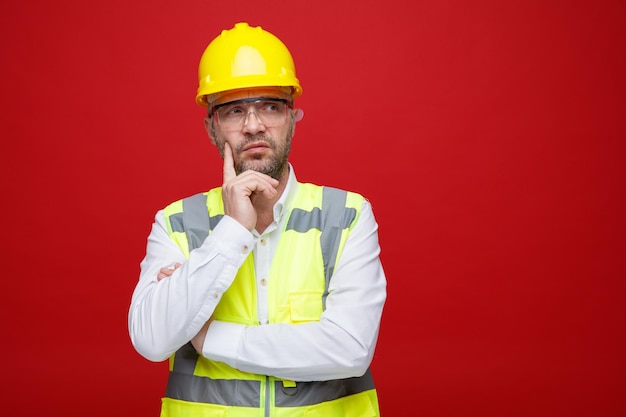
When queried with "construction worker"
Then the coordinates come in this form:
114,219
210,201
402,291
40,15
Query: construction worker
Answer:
266,294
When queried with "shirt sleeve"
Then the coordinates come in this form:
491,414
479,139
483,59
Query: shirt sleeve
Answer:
166,314
340,345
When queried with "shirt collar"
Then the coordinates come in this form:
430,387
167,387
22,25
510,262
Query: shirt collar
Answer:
286,199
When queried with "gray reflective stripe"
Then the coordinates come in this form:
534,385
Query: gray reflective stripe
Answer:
335,217
185,360
182,384
302,221
330,220
309,393
227,392
268,397
196,217
246,393
194,220
176,221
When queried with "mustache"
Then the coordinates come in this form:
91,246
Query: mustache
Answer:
256,138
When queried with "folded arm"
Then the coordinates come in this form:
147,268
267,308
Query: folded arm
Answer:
167,313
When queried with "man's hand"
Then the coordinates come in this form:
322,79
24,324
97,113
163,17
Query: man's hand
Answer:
167,271
198,340
239,191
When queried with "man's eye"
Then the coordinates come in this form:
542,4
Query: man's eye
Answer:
270,107
233,111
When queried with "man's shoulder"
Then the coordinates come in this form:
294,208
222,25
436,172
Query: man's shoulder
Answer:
321,187
331,193
200,197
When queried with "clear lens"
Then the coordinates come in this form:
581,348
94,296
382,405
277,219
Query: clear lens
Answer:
268,111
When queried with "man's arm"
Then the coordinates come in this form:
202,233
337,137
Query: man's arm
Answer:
167,313
340,345
198,340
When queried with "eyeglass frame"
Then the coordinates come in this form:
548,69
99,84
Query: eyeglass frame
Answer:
212,111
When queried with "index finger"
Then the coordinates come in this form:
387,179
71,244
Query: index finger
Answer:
229,164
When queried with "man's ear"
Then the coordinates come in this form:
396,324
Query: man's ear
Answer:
299,113
208,126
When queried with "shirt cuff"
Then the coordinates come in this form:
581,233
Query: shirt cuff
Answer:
222,342
230,237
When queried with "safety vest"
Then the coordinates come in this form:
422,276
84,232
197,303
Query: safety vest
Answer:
310,246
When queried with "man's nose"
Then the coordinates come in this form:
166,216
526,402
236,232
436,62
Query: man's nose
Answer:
253,124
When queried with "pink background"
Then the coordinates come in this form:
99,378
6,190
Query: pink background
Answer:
488,136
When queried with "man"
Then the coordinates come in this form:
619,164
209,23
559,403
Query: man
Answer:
266,293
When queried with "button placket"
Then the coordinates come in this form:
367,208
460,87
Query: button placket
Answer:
262,268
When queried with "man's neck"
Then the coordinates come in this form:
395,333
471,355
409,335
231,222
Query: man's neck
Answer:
265,208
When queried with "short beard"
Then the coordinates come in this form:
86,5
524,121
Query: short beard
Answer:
275,167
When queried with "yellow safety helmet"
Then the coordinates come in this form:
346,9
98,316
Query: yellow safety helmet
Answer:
245,57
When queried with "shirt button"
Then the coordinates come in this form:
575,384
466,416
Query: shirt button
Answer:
263,242
263,282
216,295
244,249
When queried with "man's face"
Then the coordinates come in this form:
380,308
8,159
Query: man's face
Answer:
258,132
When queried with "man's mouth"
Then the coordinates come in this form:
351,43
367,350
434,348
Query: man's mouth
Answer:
255,146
